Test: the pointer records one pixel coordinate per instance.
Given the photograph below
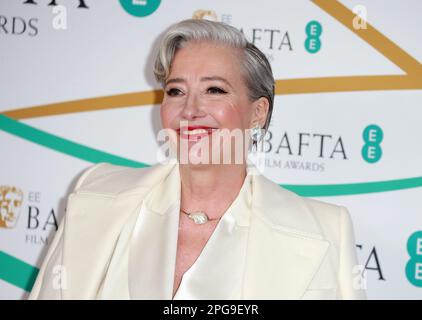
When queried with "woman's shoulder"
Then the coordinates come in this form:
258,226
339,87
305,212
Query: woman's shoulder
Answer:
110,179
286,208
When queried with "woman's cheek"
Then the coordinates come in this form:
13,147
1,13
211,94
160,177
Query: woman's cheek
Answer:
227,117
167,114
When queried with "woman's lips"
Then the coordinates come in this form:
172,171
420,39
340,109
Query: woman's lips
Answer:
195,133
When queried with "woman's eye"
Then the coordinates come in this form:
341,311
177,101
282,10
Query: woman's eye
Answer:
216,90
173,92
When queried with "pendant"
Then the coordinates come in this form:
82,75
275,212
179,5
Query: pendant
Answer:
198,217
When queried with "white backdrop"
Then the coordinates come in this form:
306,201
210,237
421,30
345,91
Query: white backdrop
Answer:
75,89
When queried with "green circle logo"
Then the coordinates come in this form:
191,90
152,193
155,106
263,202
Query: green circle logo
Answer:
313,29
140,8
373,134
414,265
312,45
313,32
371,150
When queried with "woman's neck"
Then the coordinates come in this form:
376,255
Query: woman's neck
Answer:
210,188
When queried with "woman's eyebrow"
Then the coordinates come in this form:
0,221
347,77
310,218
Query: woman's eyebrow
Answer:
175,80
211,78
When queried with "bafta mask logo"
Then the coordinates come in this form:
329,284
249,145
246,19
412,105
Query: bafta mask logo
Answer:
10,205
205,14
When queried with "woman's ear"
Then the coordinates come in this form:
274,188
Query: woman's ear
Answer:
261,108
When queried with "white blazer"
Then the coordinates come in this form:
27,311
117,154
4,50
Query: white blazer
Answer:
297,248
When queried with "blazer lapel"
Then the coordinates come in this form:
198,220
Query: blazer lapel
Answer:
285,248
94,223
153,246
91,232
280,264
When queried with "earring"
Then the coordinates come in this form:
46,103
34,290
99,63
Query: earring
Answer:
256,133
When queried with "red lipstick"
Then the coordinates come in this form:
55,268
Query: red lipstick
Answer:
195,133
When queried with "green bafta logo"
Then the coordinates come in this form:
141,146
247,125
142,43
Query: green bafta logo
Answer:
371,150
414,265
313,31
140,8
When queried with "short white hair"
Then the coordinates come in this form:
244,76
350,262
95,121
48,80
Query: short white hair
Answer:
258,74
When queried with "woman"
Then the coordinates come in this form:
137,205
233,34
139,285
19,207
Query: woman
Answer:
202,227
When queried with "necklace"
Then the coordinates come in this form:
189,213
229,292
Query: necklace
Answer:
199,217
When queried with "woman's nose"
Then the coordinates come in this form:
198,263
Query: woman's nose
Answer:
192,108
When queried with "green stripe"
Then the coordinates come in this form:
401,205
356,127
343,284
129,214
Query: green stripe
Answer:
328,190
17,272
63,145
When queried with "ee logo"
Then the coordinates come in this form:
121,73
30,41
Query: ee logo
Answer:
313,31
371,151
414,265
140,8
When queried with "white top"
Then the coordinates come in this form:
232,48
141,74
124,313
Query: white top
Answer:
143,263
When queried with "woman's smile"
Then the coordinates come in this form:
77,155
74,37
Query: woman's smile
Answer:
195,133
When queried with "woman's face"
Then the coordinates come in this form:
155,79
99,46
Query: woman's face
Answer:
205,92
